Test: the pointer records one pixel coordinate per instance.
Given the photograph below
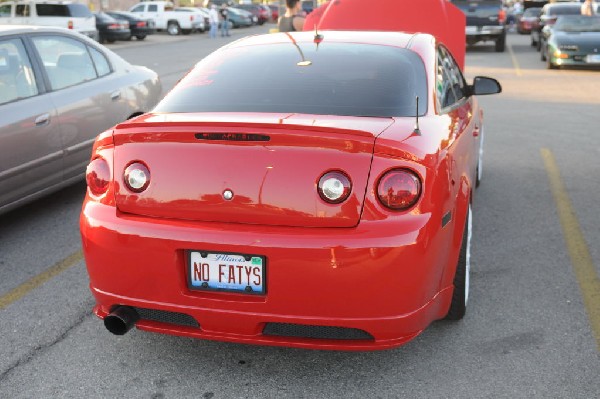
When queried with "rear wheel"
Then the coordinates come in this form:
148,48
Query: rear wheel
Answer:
460,296
141,37
173,28
501,44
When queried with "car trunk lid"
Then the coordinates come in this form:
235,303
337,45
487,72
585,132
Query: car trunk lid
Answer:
271,163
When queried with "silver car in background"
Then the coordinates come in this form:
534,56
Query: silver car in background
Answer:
58,91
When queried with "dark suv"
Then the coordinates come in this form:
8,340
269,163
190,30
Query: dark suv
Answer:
485,21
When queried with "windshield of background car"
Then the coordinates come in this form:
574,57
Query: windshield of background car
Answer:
573,23
63,10
333,79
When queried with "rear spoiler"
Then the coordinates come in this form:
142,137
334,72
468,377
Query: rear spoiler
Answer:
437,17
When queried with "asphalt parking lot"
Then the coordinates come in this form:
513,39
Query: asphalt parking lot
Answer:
532,328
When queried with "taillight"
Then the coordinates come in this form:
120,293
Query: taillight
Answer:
191,17
141,24
113,26
399,189
501,16
70,25
137,177
334,187
97,176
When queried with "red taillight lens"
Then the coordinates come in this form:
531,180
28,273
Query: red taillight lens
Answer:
70,25
399,189
97,176
191,17
334,187
113,26
137,177
141,24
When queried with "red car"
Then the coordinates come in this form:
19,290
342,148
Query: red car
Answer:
332,211
528,20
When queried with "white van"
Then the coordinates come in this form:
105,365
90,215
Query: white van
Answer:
65,14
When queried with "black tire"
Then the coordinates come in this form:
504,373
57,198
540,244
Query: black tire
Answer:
538,45
173,28
533,42
501,44
460,296
140,37
110,40
186,31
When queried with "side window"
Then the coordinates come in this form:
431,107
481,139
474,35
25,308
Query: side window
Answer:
5,10
67,61
16,76
22,10
138,8
455,75
152,8
100,61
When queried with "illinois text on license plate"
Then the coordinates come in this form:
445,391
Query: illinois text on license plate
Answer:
211,271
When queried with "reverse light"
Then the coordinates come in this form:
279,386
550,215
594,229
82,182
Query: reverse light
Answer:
399,189
334,187
136,177
97,176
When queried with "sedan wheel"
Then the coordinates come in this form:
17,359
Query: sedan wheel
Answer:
460,296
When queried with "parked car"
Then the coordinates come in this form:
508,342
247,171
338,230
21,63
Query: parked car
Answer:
195,15
166,18
548,16
239,17
574,40
274,12
338,217
140,27
257,11
65,14
58,90
486,21
528,19
110,29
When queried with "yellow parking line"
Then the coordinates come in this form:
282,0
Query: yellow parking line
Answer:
583,266
514,60
37,280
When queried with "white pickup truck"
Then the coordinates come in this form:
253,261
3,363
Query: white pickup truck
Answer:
65,14
163,14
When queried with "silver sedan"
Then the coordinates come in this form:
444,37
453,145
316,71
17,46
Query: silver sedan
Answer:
58,91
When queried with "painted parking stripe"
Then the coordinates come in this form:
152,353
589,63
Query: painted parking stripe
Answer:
513,57
37,280
583,266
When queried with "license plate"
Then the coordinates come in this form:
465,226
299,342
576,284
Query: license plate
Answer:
593,59
471,30
215,271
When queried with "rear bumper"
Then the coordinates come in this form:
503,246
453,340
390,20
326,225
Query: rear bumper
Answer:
484,33
381,279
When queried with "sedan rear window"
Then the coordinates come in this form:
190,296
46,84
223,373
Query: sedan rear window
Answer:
63,10
333,79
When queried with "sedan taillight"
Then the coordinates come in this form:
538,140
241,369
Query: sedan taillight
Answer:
141,24
137,177
97,176
399,189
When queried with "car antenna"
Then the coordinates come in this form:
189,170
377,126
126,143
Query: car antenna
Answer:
318,37
417,131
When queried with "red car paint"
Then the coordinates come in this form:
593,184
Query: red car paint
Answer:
354,265
439,18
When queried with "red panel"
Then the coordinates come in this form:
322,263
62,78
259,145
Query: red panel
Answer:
436,17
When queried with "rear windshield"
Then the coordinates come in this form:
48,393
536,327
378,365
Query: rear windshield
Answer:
334,79
63,10
564,9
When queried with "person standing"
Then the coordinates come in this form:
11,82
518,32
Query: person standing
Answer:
213,17
292,20
224,20
588,8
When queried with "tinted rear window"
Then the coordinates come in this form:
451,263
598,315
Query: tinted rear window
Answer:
565,9
63,10
343,79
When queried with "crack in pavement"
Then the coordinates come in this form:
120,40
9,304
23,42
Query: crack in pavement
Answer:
43,348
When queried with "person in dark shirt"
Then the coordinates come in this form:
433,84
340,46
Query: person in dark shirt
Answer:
292,20
224,11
